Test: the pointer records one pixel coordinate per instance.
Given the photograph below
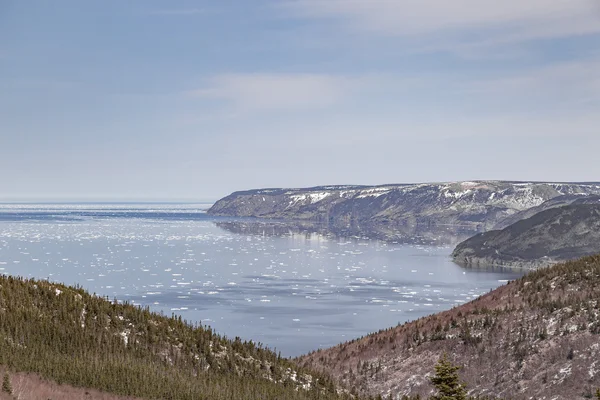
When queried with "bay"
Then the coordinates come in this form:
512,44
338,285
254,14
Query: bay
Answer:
291,289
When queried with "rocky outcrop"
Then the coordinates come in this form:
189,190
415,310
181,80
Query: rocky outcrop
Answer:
480,205
550,236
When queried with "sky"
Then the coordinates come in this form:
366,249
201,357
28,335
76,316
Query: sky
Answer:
191,100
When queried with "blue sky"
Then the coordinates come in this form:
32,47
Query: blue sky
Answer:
190,100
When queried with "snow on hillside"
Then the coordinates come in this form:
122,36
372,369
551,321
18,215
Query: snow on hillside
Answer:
471,202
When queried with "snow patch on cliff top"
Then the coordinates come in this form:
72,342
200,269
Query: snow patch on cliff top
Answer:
309,198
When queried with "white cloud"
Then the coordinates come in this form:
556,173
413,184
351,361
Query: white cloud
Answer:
568,87
278,91
507,20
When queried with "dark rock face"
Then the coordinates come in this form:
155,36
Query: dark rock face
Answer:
480,205
550,236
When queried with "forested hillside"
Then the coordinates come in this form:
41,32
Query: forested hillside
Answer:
534,338
69,336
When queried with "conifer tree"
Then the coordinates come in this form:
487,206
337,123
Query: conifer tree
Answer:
6,386
447,382
78,339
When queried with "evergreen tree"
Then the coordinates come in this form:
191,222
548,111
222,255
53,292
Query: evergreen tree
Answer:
87,341
447,382
6,386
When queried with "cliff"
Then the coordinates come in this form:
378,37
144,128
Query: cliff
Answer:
479,205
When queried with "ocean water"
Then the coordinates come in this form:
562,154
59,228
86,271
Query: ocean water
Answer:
295,291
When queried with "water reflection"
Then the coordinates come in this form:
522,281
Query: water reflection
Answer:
447,235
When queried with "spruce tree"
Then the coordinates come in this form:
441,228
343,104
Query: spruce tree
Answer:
447,382
6,386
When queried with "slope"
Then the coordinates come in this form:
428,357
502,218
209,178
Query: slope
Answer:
550,236
537,337
555,202
68,336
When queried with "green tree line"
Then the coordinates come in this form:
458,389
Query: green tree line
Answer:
67,335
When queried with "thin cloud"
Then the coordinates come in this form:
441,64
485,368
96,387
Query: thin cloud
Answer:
509,20
574,84
269,92
566,86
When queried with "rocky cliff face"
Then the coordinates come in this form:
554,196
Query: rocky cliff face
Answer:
480,205
549,236
534,338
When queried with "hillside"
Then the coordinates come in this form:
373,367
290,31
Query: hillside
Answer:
553,235
479,205
28,386
537,337
66,335
555,202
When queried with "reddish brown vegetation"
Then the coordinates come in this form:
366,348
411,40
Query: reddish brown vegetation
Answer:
32,387
533,338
